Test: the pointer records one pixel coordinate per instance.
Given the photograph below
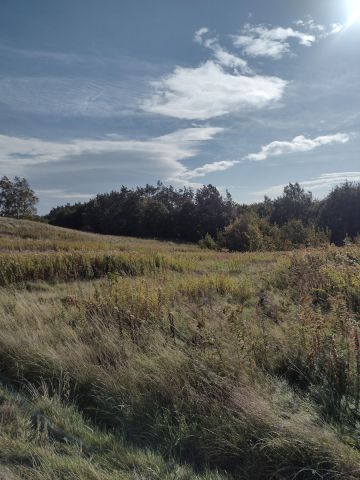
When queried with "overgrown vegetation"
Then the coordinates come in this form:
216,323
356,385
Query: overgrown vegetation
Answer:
177,362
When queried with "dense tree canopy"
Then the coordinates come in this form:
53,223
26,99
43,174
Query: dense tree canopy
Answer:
151,211
294,204
292,220
340,213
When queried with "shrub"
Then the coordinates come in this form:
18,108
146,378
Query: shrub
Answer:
208,242
243,235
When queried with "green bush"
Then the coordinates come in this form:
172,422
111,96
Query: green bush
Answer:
243,234
208,242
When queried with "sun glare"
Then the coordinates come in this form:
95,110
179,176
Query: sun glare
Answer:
353,14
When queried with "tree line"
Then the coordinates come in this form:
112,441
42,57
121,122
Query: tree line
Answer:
292,220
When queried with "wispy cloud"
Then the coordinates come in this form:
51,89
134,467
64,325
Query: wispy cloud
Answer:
273,42
67,96
261,41
165,152
63,194
65,84
331,179
222,56
298,144
61,57
319,30
199,35
208,168
323,181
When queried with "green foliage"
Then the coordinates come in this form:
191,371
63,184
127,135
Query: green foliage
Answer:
252,233
340,212
16,198
208,242
294,204
243,235
151,212
292,220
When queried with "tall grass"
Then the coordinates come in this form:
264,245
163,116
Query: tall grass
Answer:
22,267
30,453
246,365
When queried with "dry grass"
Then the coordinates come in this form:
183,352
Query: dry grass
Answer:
247,364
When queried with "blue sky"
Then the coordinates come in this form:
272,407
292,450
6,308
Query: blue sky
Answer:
246,95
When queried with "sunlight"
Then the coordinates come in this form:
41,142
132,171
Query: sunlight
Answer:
353,7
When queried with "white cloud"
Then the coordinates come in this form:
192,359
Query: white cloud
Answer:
331,179
256,47
229,60
336,28
298,144
208,168
199,34
273,42
222,56
319,30
323,181
209,91
165,152
263,41
222,85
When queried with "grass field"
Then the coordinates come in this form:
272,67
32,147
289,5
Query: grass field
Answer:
136,359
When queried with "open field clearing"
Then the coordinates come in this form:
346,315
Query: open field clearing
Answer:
179,240
133,359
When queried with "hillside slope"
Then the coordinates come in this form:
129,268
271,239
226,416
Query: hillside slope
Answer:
158,360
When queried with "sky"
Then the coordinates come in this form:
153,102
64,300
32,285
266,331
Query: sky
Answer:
245,95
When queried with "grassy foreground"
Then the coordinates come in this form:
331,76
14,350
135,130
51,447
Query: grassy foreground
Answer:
134,359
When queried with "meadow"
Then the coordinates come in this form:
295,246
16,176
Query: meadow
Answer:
123,358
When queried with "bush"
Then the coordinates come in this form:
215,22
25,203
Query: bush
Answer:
208,242
243,235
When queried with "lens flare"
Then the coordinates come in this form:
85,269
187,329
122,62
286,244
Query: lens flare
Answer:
353,7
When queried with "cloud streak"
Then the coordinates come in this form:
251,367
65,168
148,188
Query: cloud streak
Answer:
325,180
58,193
165,152
208,168
64,97
298,144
